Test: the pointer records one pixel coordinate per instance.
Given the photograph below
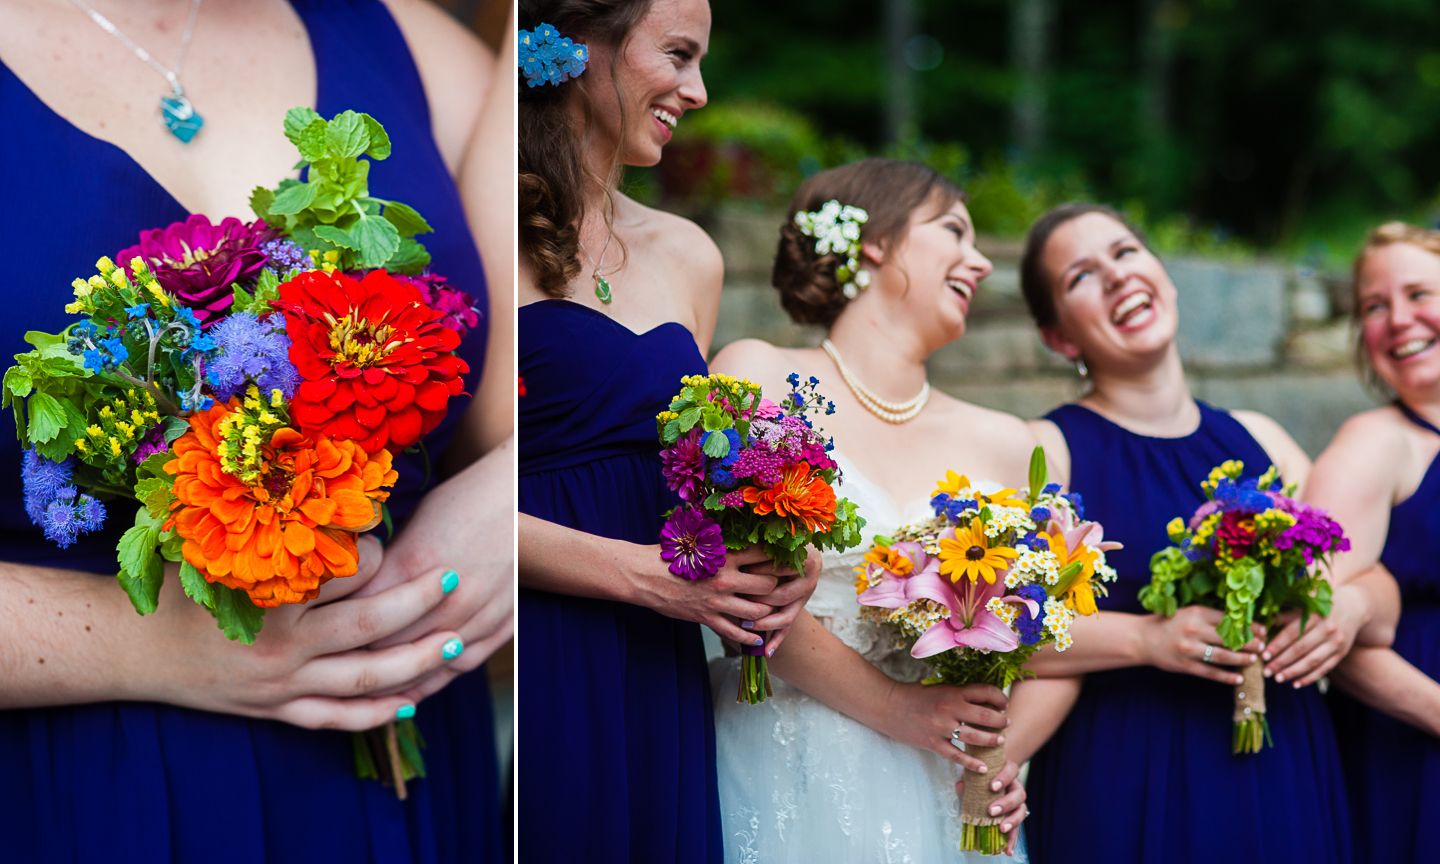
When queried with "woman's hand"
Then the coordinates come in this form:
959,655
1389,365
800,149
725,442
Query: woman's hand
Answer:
931,717
1012,803
1303,658
1187,642
308,666
787,600
718,602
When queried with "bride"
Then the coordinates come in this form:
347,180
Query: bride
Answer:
851,758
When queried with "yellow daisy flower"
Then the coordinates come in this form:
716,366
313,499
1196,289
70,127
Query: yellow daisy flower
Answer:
970,554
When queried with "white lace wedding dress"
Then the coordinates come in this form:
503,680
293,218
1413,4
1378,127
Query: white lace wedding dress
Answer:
801,782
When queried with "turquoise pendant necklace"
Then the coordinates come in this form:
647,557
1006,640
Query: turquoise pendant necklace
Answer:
602,286
177,115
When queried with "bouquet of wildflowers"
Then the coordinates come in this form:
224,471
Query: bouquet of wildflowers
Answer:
749,472
1250,550
980,588
246,384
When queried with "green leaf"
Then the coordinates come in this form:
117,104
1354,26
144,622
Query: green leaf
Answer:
243,299
18,383
376,240
337,236
313,141
236,615
260,201
297,120
379,140
196,586
409,259
156,495
142,571
42,340
672,431
347,136
689,417
1037,473
716,445
1068,576
171,545
293,199
173,428
46,417
405,219
267,291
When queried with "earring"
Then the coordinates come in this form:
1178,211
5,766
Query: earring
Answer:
1080,367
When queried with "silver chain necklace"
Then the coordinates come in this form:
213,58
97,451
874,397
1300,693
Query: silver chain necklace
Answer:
176,113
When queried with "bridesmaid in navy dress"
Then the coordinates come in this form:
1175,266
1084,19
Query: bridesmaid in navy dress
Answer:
1140,770
83,779
1380,476
617,735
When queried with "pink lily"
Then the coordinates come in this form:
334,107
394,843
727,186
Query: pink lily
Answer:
891,592
1092,534
970,624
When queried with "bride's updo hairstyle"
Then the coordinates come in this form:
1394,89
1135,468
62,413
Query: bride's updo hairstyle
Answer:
1035,283
887,190
1386,235
552,168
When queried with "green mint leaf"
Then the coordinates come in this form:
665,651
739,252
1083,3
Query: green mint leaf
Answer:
337,236
293,199
409,259
297,120
236,615
18,382
156,495
716,446
260,201
141,570
347,136
196,587
313,140
377,240
405,219
379,141
47,417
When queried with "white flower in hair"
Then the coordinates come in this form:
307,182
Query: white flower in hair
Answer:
836,229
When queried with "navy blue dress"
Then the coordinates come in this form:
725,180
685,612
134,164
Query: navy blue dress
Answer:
616,731
151,783
1141,769
1393,768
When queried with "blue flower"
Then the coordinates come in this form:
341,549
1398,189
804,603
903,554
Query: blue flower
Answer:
247,349
106,353
1076,504
1232,496
284,256
1034,541
546,57
1050,488
61,523
829,408
91,512
793,380
954,509
721,476
814,380
939,503
734,438
1040,515
138,310
1031,629
192,401
41,481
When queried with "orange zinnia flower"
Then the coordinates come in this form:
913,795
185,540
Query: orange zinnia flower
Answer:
291,528
802,496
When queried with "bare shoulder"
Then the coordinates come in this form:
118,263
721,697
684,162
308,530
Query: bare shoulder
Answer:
676,241
1005,438
1370,438
759,361
1293,462
455,67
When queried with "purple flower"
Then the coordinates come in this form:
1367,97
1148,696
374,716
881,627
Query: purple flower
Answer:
42,481
765,466
1030,627
152,443
91,513
284,256
691,542
461,314
1314,531
248,349
684,466
197,261
61,523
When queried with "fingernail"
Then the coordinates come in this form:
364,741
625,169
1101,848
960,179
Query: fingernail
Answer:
1280,677
995,810
452,649
405,712
1265,656
770,653
1297,685
748,625
1000,739
995,785
984,769
1005,829
759,641
449,581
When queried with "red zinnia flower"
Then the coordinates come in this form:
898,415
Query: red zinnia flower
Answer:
376,362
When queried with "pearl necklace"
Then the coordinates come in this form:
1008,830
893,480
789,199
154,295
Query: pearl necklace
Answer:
890,412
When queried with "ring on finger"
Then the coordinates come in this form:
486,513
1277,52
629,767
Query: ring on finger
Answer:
1209,650
955,736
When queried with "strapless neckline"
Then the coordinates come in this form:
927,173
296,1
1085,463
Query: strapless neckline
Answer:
563,303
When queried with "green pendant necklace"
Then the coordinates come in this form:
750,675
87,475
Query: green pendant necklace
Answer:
602,286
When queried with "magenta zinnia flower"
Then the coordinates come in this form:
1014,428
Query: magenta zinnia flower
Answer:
197,262
684,466
691,542
458,307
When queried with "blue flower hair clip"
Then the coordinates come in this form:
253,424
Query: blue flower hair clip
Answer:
546,57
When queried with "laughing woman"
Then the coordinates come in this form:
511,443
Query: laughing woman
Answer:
1139,771
1380,477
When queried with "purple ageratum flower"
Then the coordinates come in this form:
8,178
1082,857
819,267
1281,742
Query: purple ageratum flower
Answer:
91,513
249,349
284,255
197,262
461,313
683,465
691,542
1031,626
42,481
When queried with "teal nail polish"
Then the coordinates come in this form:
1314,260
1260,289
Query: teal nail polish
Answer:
452,649
405,712
449,581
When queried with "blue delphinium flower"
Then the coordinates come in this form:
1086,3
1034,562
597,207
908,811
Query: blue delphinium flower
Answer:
248,349
1051,488
793,379
1030,629
1040,515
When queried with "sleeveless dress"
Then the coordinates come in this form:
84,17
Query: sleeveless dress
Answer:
616,732
1393,768
1141,769
152,783
801,782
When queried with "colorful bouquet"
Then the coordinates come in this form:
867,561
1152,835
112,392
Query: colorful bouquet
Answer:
979,589
750,472
247,385
1251,551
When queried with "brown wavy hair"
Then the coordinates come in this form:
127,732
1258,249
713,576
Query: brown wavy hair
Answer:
887,190
1386,235
553,173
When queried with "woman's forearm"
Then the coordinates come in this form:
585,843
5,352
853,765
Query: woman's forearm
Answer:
1037,708
1383,613
1388,682
565,561
1106,640
814,660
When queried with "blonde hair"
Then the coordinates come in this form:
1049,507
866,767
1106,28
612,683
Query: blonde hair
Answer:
1386,235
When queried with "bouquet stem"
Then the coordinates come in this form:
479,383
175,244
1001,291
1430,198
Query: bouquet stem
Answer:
979,831
754,676
1251,729
390,754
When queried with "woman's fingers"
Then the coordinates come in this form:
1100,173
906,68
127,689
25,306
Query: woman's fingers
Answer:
1224,657
363,672
1007,775
357,621
1325,656
727,629
748,584
772,642
352,715
788,592
1210,672
740,609
782,617
977,694
951,751
970,735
